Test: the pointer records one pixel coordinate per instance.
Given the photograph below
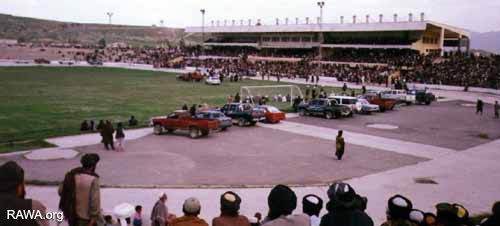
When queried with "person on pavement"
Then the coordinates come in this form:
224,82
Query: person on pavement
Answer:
339,145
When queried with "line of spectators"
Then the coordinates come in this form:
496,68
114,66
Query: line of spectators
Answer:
81,204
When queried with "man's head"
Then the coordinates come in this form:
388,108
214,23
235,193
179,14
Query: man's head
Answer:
89,161
191,207
340,133
230,204
312,204
163,197
138,208
281,201
12,179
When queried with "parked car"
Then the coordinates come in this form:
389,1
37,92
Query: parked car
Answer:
272,114
383,103
192,76
41,61
95,62
224,121
212,80
366,107
399,94
182,120
243,114
324,107
348,101
423,96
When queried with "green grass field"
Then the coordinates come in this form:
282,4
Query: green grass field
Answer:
41,102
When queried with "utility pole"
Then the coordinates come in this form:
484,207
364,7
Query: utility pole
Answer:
202,31
110,14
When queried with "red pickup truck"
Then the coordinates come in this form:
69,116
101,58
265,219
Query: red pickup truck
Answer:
182,120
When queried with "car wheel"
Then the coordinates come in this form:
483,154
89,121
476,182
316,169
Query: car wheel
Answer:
205,133
241,122
328,115
427,102
223,129
253,123
158,129
170,130
382,109
194,132
302,112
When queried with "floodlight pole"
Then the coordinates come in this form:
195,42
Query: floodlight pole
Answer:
202,31
110,14
320,38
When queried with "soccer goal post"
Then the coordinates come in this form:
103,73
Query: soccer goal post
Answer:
276,93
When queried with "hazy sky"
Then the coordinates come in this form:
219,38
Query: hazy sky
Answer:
475,15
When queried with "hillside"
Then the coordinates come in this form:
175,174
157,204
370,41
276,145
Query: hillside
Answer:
26,29
489,41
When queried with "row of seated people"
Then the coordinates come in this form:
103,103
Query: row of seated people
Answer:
81,205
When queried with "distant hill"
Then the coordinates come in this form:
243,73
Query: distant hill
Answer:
26,29
488,41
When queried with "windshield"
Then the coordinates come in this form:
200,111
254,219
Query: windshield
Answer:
363,101
273,109
350,101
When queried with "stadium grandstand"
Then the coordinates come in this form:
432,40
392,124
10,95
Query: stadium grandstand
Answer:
308,38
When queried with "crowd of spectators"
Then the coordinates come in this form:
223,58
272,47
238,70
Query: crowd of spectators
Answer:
459,70
80,201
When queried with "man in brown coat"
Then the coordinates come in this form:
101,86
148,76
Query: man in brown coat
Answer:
80,193
191,209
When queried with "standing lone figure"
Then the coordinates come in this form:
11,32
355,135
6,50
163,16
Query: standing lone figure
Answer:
479,107
340,145
496,108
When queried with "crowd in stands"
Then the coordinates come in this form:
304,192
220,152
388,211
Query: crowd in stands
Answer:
80,202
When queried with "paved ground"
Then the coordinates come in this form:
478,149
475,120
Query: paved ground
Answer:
240,156
445,124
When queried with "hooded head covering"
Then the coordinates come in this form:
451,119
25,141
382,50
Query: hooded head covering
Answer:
312,204
89,160
341,195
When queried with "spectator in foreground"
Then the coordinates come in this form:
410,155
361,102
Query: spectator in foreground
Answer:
80,193
494,219
12,196
132,121
159,214
342,209
398,211
137,216
191,209
282,201
312,205
452,215
229,208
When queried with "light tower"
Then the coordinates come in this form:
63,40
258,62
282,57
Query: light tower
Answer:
110,14
320,38
202,31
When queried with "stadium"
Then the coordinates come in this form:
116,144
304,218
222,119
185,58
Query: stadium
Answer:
374,120
422,36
